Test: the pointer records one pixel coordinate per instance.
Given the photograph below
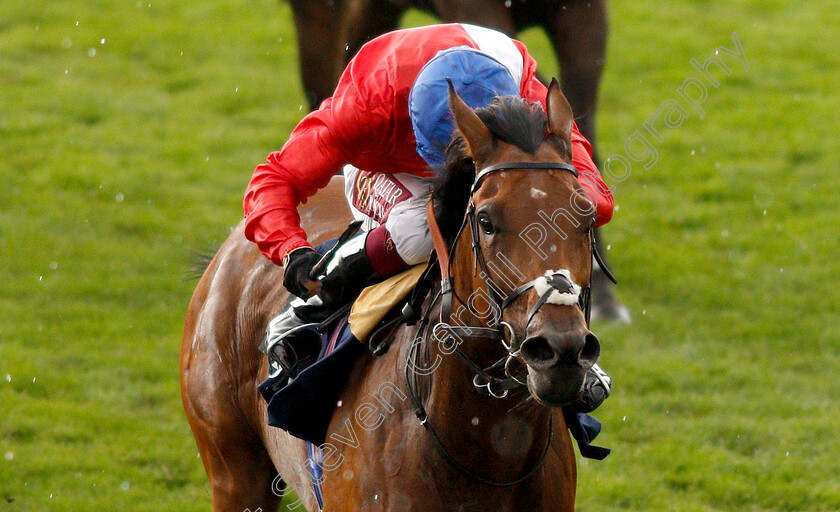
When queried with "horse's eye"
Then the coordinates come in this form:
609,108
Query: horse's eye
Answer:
486,225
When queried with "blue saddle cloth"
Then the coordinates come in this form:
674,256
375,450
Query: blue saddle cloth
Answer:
305,406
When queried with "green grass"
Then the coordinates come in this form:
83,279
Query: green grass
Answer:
129,130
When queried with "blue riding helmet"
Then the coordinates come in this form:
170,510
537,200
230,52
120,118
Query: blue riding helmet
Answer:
477,78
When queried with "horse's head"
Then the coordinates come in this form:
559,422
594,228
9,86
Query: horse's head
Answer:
525,253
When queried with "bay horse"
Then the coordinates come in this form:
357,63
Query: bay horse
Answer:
330,32
411,431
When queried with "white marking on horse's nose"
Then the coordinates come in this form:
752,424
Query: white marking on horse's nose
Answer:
537,193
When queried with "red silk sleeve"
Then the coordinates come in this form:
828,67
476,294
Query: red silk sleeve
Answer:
317,149
306,163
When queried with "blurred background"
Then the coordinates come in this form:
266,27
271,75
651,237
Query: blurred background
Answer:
129,130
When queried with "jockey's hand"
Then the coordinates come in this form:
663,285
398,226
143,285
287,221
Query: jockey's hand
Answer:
296,278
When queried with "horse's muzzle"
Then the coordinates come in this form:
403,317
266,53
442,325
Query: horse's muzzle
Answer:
575,348
557,364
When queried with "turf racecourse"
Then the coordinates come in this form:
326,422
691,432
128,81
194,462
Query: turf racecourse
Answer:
129,129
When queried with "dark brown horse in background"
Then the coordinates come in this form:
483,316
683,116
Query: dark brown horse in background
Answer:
330,32
378,456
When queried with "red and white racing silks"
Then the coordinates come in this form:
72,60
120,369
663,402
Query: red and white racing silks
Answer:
393,210
366,124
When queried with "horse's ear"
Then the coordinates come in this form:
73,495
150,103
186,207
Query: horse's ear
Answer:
560,117
477,136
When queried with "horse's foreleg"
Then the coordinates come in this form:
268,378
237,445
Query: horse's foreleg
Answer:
236,461
240,471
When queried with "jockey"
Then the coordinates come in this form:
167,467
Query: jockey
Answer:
386,126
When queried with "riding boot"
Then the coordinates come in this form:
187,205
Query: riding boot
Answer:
596,388
292,339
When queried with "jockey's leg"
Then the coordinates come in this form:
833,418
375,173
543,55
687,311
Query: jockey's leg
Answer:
380,202
596,388
291,338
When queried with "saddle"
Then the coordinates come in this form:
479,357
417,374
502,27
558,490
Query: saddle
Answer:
304,406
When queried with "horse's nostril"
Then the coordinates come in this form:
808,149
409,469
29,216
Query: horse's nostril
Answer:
591,349
538,350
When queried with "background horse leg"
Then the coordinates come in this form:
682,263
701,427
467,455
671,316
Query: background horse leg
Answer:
321,43
578,31
490,14
330,33
370,19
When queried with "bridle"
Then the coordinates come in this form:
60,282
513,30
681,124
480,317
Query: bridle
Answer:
447,335
500,330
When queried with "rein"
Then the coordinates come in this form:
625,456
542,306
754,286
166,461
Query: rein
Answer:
446,334
420,411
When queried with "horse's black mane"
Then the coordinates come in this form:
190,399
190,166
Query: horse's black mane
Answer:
511,120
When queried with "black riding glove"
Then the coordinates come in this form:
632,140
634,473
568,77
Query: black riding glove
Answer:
343,283
298,264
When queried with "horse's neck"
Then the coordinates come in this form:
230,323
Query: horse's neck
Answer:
499,437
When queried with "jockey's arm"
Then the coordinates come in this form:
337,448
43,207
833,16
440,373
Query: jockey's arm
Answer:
305,164
590,179
316,150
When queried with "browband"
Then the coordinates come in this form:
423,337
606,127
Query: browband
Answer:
521,165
